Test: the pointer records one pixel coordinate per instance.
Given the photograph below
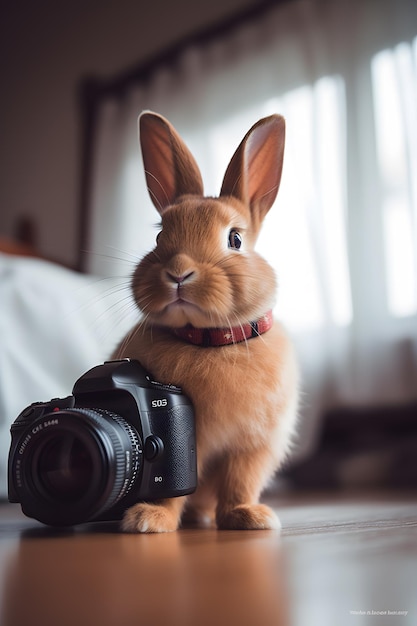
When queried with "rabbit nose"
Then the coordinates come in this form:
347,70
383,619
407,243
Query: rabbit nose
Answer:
179,278
180,269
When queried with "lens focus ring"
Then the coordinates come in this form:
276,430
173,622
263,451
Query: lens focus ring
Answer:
135,453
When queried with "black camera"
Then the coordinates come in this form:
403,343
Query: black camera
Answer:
120,438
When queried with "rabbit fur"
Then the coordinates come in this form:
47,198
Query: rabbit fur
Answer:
244,394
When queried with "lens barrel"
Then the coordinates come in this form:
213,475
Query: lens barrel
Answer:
72,465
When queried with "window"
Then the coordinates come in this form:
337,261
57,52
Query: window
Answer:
394,81
304,237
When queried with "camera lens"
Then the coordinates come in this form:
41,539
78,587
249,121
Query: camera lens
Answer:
74,464
65,466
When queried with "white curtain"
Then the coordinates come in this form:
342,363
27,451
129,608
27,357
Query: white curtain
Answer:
343,234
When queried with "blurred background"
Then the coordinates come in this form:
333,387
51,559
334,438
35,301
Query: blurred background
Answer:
75,216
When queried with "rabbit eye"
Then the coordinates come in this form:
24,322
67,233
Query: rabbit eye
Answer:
235,239
158,235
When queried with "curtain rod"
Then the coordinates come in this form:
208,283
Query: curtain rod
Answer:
142,71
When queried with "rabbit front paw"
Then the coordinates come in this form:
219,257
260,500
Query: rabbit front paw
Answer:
248,517
149,518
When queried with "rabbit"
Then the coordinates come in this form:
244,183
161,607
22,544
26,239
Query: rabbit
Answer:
206,298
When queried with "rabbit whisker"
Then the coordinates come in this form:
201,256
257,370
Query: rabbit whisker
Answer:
152,194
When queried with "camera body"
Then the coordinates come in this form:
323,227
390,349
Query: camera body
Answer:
120,438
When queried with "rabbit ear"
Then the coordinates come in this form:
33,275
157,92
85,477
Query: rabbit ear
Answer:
254,172
170,168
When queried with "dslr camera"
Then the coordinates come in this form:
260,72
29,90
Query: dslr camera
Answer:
121,437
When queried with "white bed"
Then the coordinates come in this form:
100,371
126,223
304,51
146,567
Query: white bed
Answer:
54,325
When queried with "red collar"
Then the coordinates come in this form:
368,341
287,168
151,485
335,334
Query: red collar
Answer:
210,337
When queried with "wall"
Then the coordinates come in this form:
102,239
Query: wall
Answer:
46,47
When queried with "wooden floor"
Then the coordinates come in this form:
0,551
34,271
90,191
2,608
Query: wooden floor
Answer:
338,561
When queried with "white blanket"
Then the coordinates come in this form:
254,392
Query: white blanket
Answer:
55,324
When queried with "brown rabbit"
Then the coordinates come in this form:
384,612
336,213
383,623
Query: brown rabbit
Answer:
206,298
